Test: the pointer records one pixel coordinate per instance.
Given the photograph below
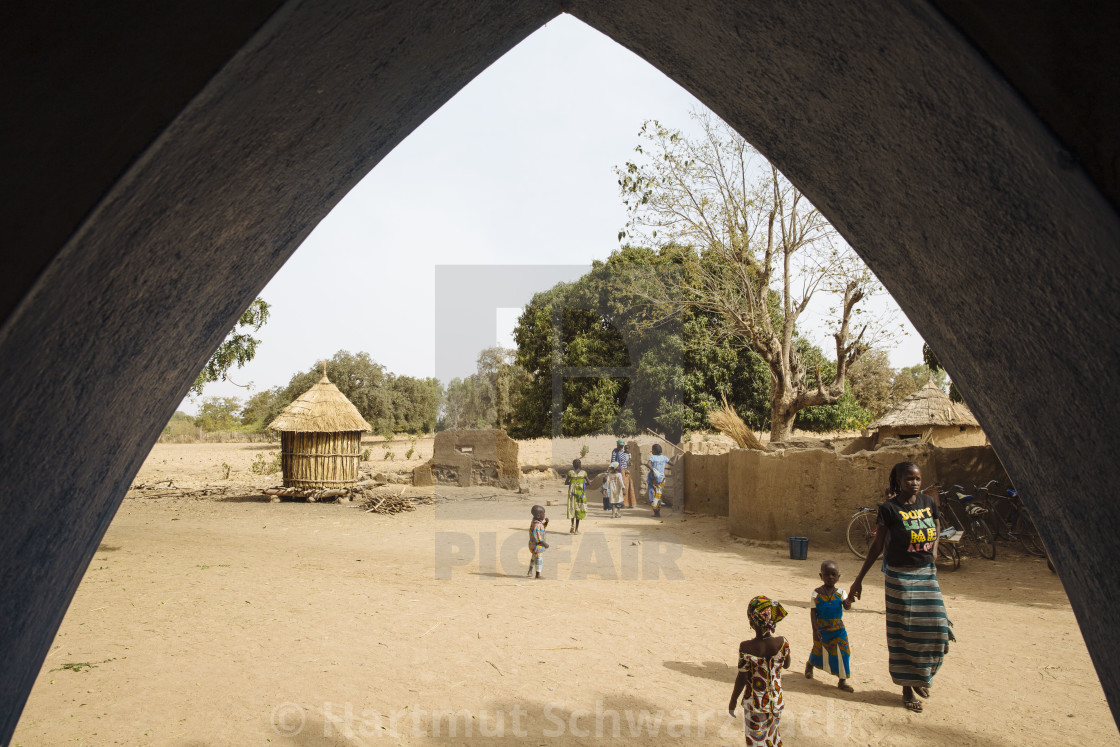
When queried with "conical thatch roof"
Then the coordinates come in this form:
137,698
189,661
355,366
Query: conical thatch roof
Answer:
925,407
321,409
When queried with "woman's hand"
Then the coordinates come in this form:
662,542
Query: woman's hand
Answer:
731,708
856,590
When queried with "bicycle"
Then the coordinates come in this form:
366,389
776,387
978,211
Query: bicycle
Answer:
861,530
968,515
1011,520
861,533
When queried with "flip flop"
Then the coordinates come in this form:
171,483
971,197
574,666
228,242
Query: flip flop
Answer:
846,687
913,705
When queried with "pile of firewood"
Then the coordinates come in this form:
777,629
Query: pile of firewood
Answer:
390,501
168,488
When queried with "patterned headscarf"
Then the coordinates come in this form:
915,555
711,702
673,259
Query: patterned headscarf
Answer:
765,614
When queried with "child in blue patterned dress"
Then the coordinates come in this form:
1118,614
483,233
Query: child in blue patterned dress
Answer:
830,639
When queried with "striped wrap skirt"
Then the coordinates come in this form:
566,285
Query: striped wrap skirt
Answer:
918,630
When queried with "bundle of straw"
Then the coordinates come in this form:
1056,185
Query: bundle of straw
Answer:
728,422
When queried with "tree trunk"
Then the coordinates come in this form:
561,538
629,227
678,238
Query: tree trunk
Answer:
781,422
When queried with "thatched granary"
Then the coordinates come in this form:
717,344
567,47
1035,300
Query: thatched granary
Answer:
320,439
929,415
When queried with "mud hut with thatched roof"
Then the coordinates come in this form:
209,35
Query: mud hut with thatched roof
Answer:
320,442
929,415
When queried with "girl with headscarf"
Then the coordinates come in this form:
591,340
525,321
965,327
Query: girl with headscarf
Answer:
761,661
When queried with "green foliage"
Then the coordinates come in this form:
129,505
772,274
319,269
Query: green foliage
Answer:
365,455
912,378
871,382
487,398
845,414
266,465
181,425
608,320
583,451
238,348
389,403
759,253
262,408
218,414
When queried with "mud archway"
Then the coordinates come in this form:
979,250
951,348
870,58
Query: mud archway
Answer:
170,161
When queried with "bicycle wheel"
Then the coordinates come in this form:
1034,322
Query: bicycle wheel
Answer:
982,537
1028,536
861,533
1000,517
947,553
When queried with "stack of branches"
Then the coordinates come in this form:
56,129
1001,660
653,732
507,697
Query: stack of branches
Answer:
728,422
172,490
391,501
311,495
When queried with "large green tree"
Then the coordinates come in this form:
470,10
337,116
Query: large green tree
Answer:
237,349
763,254
487,398
620,367
390,403
218,414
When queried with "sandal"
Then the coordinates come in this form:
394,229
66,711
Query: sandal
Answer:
843,685
914,705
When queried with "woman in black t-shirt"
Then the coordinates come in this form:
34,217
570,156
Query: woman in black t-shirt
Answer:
918,630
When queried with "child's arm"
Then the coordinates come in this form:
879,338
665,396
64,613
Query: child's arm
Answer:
813,622
848,601
789,656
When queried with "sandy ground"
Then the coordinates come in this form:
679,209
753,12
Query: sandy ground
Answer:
231,621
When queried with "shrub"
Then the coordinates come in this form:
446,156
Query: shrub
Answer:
262,465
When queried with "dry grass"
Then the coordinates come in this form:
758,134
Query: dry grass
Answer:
728,422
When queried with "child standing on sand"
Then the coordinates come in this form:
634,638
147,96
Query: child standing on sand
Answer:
761,661
616,489
577,495
537,545
655,478
830,639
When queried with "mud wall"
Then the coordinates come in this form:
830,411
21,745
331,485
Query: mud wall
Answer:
813,492
475,457
945,436
705,483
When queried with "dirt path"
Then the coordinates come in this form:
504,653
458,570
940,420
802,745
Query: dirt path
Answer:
214,622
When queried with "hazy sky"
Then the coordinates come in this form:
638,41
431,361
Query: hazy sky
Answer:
515,170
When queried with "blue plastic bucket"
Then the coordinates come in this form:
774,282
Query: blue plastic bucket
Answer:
798,548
